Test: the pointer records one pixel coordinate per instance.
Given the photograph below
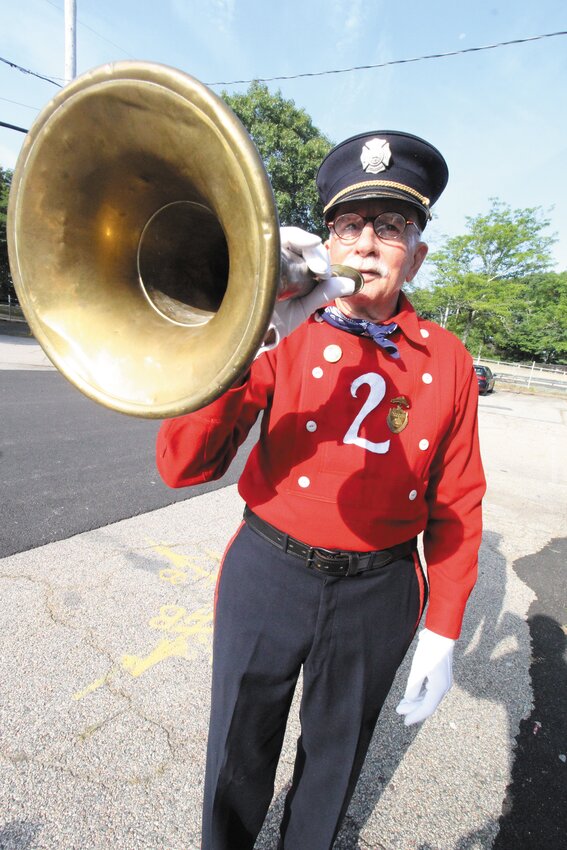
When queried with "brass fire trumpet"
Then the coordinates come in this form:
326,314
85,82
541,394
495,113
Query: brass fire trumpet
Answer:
144,239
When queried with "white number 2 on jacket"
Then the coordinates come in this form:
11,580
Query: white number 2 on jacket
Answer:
377,392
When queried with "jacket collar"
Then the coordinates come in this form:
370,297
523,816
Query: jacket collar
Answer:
407,321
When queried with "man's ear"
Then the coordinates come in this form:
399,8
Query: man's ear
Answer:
419,256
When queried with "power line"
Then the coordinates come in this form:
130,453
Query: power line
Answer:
336,70
392,62
17,103
86,26
13,127
27,71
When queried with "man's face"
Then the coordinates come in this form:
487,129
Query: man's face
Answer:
385,265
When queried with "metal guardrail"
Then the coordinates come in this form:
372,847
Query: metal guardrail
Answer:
505,366
528,375
11,312
524,381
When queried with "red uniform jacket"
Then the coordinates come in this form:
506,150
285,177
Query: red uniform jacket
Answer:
358,451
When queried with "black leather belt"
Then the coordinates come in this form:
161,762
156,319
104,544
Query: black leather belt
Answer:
332,562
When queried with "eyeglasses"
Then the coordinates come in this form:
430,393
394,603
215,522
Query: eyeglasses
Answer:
388,226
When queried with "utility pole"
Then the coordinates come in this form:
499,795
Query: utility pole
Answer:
70,40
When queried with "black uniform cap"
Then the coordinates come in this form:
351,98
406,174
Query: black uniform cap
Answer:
383,164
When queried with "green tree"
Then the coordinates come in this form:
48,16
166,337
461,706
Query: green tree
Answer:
291,148
538,323
476,285
6,285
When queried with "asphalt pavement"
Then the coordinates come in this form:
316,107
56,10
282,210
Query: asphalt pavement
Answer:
68,465
105,668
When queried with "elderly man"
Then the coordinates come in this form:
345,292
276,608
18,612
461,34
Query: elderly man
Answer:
368,438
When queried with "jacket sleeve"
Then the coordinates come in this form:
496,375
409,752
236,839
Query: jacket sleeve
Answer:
454,529
200,446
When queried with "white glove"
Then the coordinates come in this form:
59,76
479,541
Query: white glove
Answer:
431,676
306,247
290,313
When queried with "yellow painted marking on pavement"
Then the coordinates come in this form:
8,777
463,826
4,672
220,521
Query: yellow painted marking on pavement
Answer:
90,730
196,627
184,566
186,629
94,686
165,649
174,576
175,620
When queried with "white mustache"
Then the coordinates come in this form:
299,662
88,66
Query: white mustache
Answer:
379,269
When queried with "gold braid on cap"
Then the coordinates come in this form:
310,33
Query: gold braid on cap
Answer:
387,184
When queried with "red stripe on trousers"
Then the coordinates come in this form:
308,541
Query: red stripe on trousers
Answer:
229,544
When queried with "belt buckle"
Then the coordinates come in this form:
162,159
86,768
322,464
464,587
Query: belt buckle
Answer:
325,561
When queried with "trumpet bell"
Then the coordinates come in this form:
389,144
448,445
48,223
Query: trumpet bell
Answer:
143,239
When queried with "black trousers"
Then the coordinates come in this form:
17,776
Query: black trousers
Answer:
273,617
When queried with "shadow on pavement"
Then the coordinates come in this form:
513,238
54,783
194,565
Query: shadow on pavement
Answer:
534,814
18,835
14,328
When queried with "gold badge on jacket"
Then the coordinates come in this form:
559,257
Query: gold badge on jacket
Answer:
398,416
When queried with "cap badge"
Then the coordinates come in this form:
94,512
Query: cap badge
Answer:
375,156
398,416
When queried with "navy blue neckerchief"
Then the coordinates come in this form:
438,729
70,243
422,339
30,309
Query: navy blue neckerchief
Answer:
360,327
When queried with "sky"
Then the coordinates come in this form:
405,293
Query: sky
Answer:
498,116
